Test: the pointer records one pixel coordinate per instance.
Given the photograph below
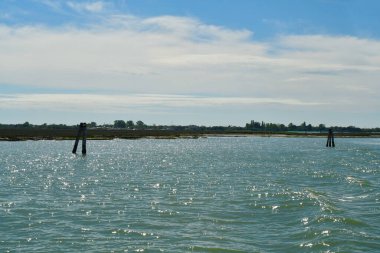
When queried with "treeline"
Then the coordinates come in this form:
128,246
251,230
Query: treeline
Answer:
251,126
254,126
303,127
42,126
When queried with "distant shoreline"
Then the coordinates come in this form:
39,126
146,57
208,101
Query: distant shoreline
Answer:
19,134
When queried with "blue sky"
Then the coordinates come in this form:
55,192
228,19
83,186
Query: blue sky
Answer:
266,18
214,62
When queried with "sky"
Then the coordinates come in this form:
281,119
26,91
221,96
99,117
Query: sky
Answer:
204,62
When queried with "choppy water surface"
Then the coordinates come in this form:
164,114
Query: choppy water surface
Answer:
205,195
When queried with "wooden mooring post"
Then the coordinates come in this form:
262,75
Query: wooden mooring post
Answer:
82,132
330,139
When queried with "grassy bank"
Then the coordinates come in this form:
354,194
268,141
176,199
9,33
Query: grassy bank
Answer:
19,134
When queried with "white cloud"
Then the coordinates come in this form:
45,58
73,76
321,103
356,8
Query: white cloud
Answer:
194,30
176,55
97,6
119,103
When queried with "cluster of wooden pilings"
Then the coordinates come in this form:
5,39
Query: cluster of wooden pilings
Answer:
330,139
82,132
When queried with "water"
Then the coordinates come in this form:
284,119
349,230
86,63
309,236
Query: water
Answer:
204,195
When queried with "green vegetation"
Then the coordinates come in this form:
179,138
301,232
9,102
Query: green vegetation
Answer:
303,127
254,126
132,130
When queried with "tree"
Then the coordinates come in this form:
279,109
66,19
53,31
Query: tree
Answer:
26,124
119,124
130,124
321,127
303,126
92,124
253,125
140,124
272,127
291,127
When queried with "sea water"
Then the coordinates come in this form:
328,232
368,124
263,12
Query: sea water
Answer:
228,194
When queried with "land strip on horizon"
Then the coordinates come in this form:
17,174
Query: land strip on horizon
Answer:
20,134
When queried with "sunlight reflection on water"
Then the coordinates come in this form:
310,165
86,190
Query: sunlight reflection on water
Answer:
214,194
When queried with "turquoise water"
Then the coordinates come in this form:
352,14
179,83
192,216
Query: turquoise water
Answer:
205,195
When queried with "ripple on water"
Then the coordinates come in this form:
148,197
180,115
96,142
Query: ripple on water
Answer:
358,181
205,195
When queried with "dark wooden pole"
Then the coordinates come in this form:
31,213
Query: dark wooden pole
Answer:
82,132
84,136
77,139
